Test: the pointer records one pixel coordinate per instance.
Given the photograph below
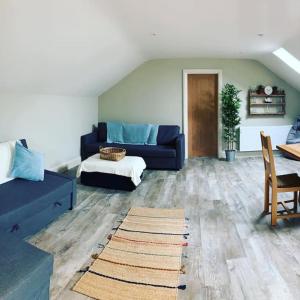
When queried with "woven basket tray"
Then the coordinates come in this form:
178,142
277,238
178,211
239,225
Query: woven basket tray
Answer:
112,153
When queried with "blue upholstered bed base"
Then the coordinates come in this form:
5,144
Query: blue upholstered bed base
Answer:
25,208
109,181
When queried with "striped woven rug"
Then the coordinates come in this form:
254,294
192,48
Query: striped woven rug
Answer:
142,260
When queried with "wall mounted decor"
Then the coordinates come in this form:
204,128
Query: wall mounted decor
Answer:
266,100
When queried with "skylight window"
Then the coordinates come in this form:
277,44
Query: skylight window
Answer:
288,58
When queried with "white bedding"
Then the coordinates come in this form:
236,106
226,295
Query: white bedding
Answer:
7,150
129,166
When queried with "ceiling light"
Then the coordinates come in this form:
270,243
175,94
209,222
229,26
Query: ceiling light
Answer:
288,58
260,34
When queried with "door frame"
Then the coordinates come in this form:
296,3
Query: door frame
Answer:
185,122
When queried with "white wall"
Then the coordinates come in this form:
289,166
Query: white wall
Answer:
153,92
63,47
51,124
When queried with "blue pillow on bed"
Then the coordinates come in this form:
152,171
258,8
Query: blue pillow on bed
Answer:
27,164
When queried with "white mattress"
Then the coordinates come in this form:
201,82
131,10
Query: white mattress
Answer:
7,150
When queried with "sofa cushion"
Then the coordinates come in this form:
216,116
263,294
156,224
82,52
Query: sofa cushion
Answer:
153,151
167,134
102,132
25,270
94,148
145,150
136,150
21,199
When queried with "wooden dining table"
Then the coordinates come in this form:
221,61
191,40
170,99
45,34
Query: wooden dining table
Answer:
292,150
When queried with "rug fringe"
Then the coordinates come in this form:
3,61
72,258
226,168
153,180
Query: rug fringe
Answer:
182,270
95,256
83,270
182,287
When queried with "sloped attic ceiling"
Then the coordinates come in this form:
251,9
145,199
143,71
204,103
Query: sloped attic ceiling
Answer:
279,67
82,47
64,47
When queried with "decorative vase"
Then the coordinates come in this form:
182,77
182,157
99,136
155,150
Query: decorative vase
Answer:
260,89
275,90
230,155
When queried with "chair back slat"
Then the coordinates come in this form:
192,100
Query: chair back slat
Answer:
267,152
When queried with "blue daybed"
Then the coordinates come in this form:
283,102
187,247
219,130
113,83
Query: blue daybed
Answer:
25,208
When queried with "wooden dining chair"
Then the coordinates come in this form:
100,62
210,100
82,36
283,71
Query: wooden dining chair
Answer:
279,184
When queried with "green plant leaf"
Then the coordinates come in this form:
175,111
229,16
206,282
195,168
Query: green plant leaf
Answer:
231,104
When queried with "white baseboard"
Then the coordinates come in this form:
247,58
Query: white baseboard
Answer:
67,165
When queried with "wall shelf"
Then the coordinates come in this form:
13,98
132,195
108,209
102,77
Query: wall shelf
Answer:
261,104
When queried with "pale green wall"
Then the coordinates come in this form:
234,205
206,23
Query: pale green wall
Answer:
50,124
153,92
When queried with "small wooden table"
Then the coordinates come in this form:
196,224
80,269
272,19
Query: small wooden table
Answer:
292,150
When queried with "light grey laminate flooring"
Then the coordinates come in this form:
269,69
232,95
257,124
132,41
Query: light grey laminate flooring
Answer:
233,251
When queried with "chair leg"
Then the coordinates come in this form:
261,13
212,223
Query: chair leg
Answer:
267,196
274,208
295,202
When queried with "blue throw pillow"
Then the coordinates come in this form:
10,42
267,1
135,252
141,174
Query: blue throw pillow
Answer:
152,140
27,164
115,132
137,134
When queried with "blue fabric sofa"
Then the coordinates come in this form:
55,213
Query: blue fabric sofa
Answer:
25,270
294,133
168,154
26,207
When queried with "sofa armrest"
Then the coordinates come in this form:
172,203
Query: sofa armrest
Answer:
180,151
74,186
86,139
89,138
25,269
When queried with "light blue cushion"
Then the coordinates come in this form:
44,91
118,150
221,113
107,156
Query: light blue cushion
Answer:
115,132
152,140
137,134
27,164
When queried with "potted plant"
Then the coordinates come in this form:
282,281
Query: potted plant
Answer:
230,118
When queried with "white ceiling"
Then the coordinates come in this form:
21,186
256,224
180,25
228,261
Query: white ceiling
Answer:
82,47
62,47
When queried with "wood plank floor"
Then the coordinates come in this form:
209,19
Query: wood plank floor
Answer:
233,252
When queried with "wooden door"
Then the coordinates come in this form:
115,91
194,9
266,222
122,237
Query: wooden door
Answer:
203,115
